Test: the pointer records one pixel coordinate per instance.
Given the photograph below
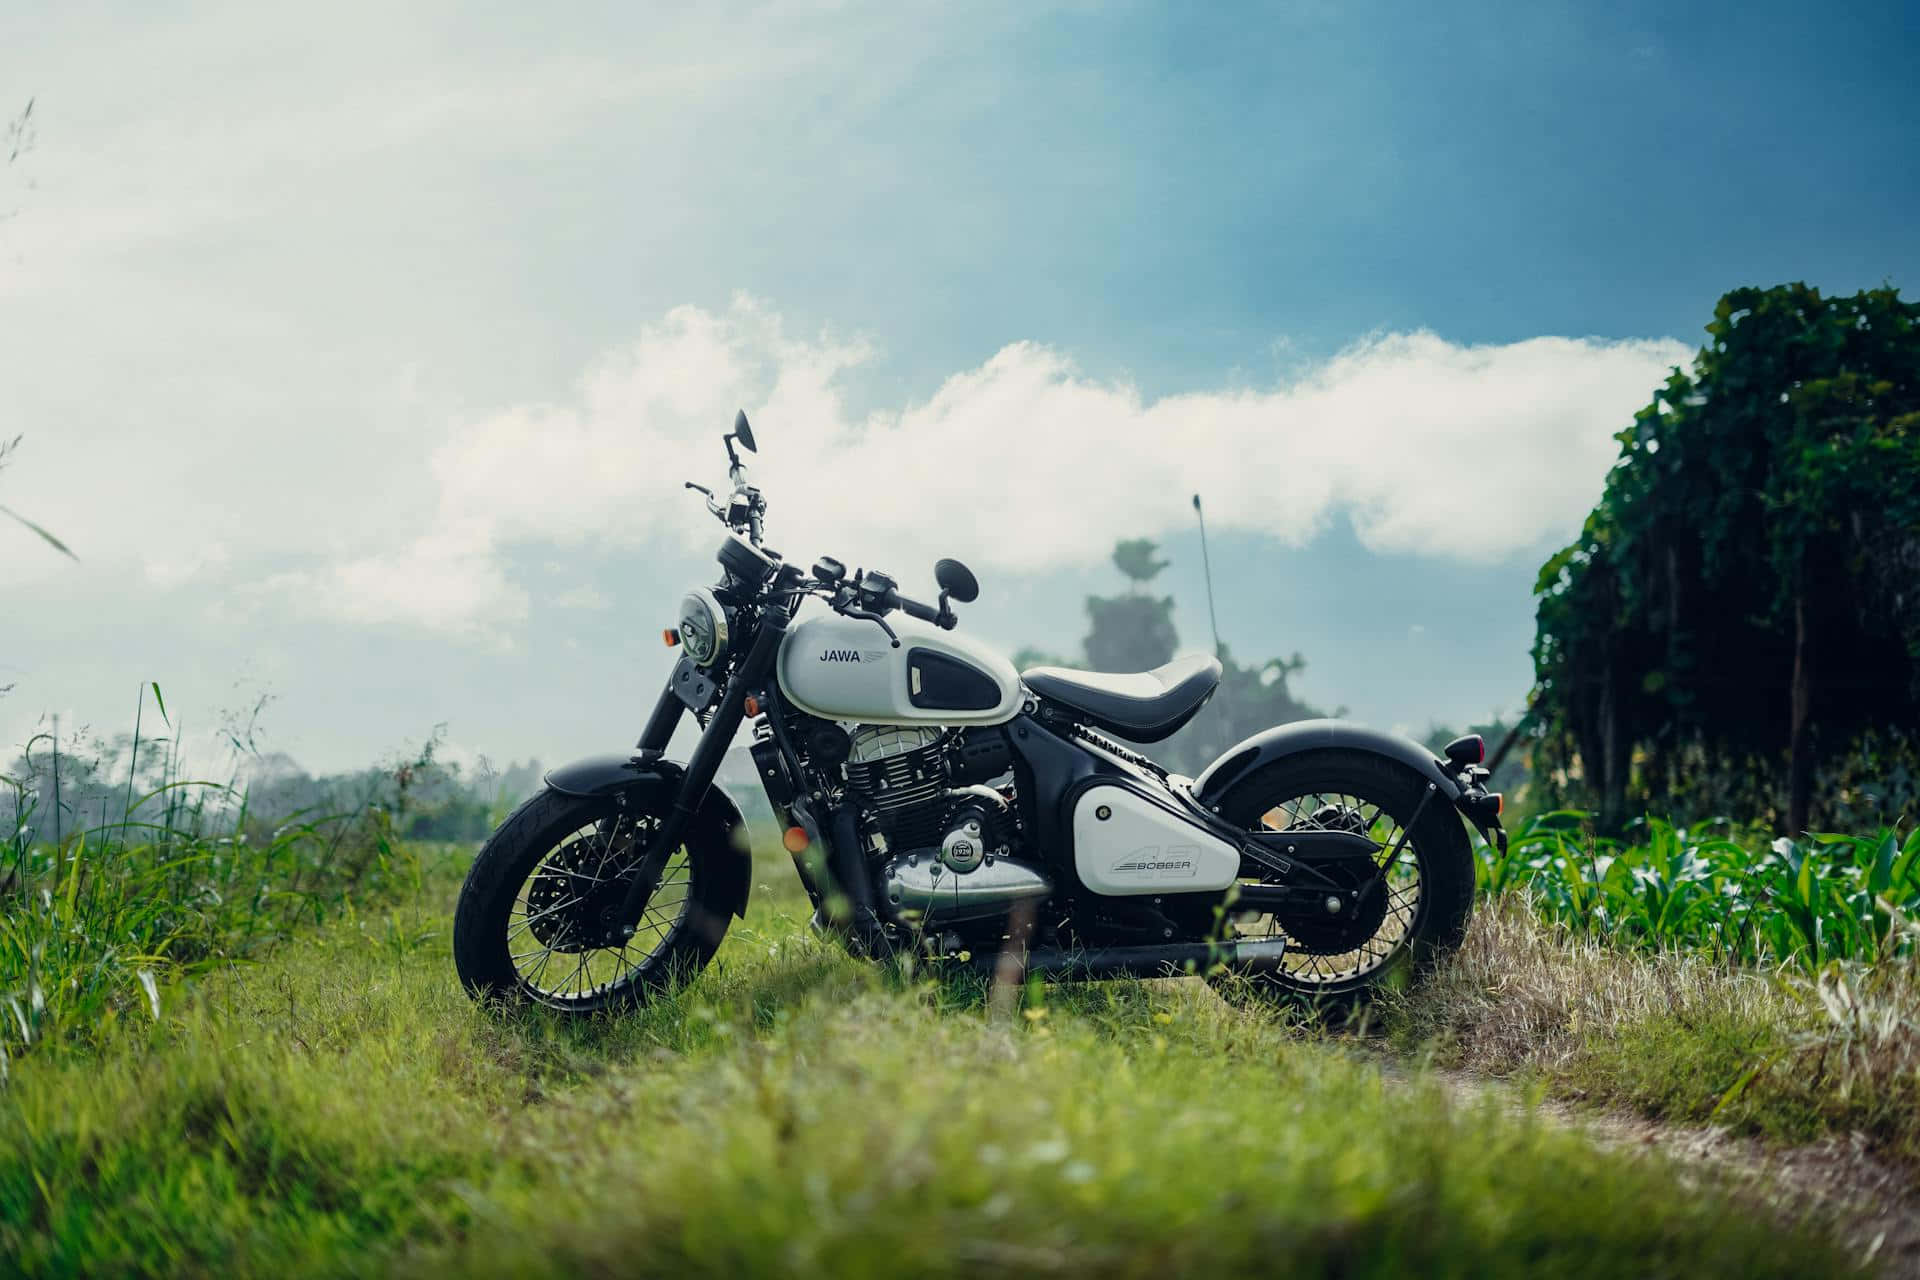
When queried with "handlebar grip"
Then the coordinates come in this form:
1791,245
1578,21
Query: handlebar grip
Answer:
914,609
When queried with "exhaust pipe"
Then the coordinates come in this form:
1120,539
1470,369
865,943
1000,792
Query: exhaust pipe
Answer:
1172,960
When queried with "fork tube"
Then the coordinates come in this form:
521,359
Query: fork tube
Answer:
661,724
706,758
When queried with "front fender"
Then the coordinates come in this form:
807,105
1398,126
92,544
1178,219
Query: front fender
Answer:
1286,740
717,836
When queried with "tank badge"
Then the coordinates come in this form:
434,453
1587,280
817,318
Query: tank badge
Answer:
851,655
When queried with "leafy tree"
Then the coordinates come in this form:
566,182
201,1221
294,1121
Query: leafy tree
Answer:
1135,557
1135,631
1130,632
1743,605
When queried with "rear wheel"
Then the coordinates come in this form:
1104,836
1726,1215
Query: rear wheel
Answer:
539,917
1417,911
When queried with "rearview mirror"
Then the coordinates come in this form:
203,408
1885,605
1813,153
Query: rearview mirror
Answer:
956,580
742,432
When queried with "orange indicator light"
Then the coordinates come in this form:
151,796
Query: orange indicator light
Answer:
795,840
752,705
670,637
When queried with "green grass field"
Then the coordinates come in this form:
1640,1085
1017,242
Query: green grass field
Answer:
339,1107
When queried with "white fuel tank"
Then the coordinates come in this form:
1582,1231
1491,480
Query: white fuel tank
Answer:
846,669
1124,843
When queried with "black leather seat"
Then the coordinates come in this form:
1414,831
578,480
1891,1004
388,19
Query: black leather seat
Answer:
1144,706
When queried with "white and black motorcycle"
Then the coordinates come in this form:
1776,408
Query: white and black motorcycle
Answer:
941,803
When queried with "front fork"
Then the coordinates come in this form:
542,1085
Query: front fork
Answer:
750,674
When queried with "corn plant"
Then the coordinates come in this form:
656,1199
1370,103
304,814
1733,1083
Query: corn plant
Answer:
1804,903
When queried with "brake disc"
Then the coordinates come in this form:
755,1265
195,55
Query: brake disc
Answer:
572,899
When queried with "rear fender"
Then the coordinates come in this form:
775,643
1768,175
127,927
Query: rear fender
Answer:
717,835
1286,740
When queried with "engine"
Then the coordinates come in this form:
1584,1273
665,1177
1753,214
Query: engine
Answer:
948,836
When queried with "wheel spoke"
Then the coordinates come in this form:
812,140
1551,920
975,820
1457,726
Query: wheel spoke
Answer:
562,904
1310,965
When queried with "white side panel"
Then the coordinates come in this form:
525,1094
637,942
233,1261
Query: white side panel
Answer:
1140,847
845,669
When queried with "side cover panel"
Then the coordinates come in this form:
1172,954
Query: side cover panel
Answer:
717,836
1124,843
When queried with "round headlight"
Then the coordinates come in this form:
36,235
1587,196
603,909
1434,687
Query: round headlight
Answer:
703,627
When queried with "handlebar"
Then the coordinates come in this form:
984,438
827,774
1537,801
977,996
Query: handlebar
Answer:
871,597
925,612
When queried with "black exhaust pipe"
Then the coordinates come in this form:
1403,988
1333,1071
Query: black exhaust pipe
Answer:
1171,960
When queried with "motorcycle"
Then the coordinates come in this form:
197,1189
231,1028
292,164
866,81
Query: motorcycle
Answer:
939,803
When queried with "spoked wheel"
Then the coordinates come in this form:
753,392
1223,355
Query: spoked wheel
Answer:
539,918
1385,925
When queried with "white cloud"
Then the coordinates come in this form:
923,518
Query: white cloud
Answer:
586,597
1021,463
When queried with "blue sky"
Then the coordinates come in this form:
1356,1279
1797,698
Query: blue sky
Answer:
361,360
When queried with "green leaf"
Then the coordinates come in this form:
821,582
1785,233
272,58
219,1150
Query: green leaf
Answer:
51,541
1882,874
163,703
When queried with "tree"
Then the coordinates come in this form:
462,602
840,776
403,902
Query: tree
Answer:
1742,608
1135,558
1133,632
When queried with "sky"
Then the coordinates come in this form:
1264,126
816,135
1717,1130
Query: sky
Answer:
361,359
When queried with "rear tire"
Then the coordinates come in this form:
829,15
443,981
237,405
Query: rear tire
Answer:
526,923
1430,889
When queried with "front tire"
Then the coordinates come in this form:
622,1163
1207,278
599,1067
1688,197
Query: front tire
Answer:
534,921
1429,893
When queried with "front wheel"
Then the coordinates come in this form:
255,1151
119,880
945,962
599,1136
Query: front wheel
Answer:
1417,913
538,917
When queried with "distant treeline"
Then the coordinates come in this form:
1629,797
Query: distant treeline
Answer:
100,784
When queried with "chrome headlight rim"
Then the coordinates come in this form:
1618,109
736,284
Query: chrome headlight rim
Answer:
704,609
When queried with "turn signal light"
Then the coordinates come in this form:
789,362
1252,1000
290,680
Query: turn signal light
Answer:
752,705
670,637
795,839
1483,809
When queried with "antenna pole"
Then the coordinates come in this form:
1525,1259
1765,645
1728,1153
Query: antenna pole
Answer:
1206,562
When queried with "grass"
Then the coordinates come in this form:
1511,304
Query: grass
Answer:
1677,1034
99,921
250,1055
341,1108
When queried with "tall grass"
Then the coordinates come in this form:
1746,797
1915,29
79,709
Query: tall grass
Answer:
99,918
1803,904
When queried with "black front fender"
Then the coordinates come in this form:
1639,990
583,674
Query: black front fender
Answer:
717,836
1286,740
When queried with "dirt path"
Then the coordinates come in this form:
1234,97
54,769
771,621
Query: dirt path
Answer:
1877,1204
